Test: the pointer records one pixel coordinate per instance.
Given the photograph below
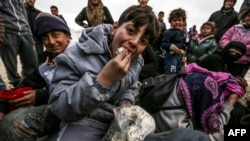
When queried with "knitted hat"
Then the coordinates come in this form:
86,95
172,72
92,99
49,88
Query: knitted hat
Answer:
46,22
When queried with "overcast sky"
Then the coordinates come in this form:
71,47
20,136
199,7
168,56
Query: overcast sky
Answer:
198,11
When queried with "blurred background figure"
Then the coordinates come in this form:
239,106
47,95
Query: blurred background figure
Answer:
18,41
224,18
32,12
245,4
94,14
161,20
54,10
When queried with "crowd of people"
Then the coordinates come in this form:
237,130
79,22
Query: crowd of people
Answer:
67,89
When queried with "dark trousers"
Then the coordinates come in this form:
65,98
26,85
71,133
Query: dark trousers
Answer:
22,45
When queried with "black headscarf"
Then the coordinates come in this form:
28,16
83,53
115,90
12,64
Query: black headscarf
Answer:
230,58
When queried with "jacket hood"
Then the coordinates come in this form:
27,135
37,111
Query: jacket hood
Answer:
225,1
95,39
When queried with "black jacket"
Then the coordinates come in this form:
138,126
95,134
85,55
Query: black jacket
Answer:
151,66
32,14
223,21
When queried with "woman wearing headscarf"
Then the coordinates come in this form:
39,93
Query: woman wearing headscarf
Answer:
94,14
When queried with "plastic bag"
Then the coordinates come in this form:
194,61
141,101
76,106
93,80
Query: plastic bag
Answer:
130,124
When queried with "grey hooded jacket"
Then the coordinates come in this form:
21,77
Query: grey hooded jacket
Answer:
15,17
76,97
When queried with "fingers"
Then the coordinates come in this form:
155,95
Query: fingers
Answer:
116,67
127,62
232,99
123,54
25,101
123,60
26,132
1,116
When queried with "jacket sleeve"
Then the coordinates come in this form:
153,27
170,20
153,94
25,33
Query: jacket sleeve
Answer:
108,16
166,41
227,37
76,94
81,17
36,81
224,118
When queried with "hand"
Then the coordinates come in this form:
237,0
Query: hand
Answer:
115,69
232,99
27,100
1,116
1,30
177,50
26,132
126,105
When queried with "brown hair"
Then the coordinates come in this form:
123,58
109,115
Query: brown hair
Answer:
244,14
142,16
211,24
177,13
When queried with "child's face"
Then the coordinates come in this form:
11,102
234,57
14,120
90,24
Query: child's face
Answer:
177,23
129,37
55,41
206,31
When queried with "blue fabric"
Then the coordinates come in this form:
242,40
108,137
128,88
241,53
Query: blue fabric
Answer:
181,134
172,63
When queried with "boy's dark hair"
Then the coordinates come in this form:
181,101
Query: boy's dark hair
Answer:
142,16
211,24
177,13
53,6
244,14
